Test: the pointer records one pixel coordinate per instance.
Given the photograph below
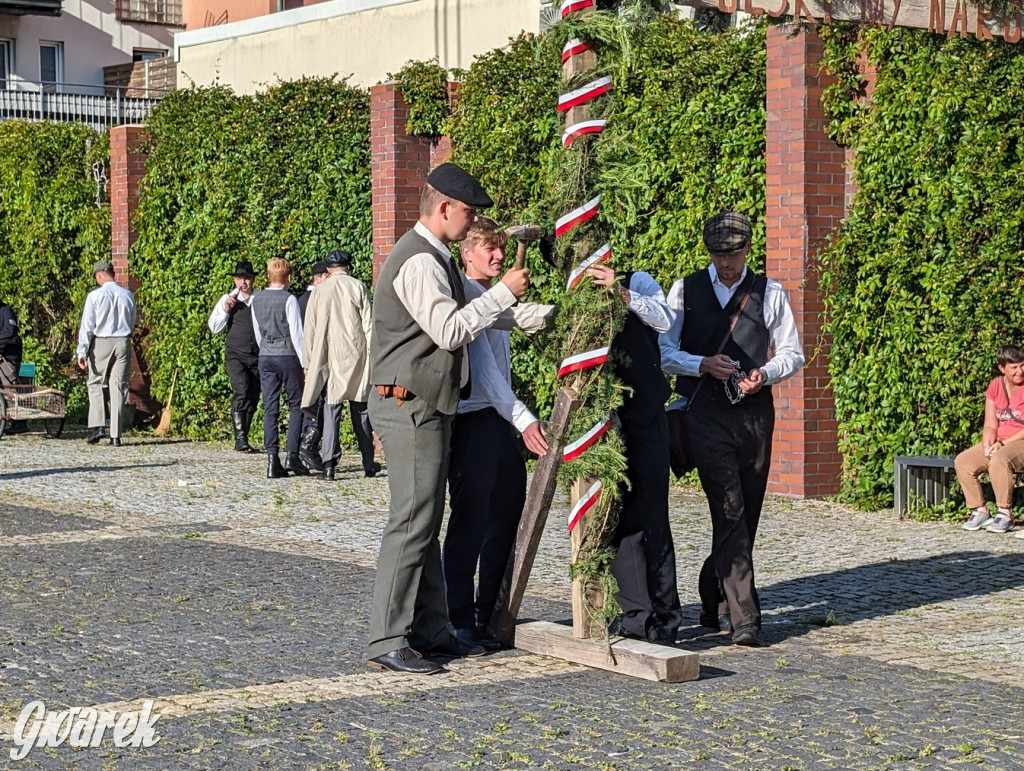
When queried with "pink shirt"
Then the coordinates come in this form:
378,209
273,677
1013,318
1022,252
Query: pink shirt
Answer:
1009,412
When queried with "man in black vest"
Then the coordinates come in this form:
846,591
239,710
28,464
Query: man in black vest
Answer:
421,325
241,354
645,561
731,414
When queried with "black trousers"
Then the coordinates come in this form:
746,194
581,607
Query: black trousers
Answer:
732,445
645,561
487,484
277,373
243,372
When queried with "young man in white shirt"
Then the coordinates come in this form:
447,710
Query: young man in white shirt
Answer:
731,415
487,474
104,348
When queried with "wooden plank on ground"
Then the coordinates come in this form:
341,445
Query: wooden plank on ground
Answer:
635,658
535,515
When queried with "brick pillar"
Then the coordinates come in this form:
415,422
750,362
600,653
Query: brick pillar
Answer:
127,167
400,163
806,188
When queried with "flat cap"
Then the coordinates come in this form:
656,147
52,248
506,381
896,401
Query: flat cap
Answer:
727,232
319,267
102,266
339,258
455,182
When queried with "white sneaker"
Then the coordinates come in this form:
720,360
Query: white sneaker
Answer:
1003,523
977,520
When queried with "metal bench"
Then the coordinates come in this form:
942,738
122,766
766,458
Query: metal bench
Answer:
926,477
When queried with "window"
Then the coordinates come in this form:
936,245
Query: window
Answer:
147,54
51,63
6,62
149,11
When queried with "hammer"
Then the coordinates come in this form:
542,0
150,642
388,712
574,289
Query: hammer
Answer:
524,234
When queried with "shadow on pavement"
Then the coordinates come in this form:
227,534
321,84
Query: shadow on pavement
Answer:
45,472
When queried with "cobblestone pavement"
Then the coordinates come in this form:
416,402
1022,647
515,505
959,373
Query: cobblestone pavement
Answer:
176,572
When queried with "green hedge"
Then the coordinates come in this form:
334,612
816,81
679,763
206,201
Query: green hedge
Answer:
687,139
51,232
282,173
925,275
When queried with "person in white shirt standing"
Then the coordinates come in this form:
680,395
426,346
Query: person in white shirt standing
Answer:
277,325
487,474
733,338
104,348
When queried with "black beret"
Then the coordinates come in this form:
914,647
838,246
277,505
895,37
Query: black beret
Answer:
339,258
727,232
319,267
455,182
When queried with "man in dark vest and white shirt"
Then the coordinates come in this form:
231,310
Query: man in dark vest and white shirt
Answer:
731,415
421,325
241,354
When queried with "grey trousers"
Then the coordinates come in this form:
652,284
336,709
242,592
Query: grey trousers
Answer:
409,606
330,448
110,365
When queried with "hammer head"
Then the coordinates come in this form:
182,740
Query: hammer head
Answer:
525,232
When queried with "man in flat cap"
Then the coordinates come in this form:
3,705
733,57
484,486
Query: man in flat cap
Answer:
733,338
421,326
312,417
336,349
241,354
104,348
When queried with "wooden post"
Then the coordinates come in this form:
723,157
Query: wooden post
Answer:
502,626
582,595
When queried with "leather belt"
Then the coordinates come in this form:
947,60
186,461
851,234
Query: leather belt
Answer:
401,394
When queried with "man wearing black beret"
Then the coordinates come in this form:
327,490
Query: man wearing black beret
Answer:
421,326
733,338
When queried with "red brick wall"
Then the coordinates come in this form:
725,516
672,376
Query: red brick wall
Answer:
806,197
400,163
127,166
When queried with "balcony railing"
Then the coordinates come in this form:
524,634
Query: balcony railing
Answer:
149,11
30,7
98,106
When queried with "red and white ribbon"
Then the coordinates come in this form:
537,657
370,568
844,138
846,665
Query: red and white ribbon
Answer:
576,130
601,255
585,93
585,504
581,445
574,47
577,216
594,358
571,6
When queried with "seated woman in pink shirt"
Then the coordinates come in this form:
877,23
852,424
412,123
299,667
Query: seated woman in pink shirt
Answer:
1001,450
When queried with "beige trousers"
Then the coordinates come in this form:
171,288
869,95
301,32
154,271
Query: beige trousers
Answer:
1000,467
110,366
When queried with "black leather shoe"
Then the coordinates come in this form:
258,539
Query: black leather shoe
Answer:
115,441
294,465
747,636
405,660
329,469
478,637
307,450
720,623
241,432
372,471
274,468
95,435
457,649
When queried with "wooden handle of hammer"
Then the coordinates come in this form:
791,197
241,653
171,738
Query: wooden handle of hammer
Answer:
520,255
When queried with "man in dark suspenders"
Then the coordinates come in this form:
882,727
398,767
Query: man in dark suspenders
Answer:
731,415
241,354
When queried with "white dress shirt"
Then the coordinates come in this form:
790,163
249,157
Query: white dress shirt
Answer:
491,362
786,354
294,317
219,316
647,301
109,312
423,288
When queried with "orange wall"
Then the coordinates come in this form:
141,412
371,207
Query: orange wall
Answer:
208,13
